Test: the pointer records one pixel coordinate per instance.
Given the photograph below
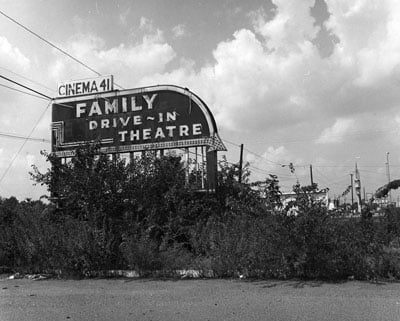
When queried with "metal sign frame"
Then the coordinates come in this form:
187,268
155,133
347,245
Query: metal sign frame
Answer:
134,120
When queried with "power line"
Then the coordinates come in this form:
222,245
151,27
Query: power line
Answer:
28,79
23,144
257,155
340,181
325,179
50,44
265,171
23,92
251,152
16,136
25,87
53,45
349,134
322,177
263,158
306,165
283,177
232,143
371,172
347,166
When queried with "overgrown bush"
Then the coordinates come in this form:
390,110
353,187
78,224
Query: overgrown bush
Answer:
109,214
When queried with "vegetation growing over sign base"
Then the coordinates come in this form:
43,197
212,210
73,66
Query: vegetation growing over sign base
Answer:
112,215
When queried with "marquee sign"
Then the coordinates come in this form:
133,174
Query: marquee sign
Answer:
149,118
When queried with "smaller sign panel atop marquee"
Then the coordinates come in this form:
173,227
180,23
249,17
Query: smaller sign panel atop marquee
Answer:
85,86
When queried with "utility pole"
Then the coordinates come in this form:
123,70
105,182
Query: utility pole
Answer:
187,170
241,163
388,175
311,176
358,189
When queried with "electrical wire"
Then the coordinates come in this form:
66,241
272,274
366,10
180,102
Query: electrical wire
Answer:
53,45
284,177
263,158
25,87
339,182
23,92
251,152
322,177
23,144
265,171
348,166
229,142
349,134
302,165
16,136
28,79
49,43
371,172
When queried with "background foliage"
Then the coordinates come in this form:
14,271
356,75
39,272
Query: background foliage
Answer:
112,214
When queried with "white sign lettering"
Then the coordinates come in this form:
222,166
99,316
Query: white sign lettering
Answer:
85,86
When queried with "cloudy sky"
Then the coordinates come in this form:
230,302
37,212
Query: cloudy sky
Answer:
303,82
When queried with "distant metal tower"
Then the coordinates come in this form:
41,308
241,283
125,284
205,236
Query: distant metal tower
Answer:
388,175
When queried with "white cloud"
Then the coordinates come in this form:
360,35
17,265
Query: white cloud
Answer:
123,17
11,56
276,161
290,29
128,63
273,158
146,24
369,37
337,132
261,82
277,154
17,182
272,78
179,31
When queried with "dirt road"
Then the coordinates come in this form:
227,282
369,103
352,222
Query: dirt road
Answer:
126,299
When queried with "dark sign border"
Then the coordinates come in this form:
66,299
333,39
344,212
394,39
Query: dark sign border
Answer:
64,149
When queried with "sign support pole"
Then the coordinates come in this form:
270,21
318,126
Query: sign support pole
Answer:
211,170
202,167
186,166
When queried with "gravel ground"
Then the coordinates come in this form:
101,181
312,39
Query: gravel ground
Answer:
147,299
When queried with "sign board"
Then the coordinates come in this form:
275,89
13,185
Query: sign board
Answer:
149,118
85,86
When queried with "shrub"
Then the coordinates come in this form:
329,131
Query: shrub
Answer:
140,215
